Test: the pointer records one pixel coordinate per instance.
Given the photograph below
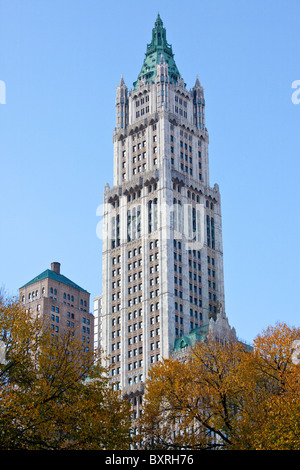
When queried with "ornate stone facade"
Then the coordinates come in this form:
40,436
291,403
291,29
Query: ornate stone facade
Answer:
162,228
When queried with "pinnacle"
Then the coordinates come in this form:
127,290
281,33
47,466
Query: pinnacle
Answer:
122,81
197,84
158,19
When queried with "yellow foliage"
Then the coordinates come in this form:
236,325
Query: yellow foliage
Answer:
53,395
224,397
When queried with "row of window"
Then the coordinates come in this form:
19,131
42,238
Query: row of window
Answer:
131,381
137,325
178,100
55,328
177,257
142,112
85,321
135,159
34,294
142,101
136,147
180,111
177,281
176,187
55,318
134,252
133,196
139,169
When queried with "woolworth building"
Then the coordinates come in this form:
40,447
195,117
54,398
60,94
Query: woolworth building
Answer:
162,260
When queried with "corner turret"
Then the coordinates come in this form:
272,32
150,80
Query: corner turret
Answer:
199,105
121,105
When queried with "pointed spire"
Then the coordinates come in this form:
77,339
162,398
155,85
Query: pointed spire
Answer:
158,20
197,84
122,83
157,48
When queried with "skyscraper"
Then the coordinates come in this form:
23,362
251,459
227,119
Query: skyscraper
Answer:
162,269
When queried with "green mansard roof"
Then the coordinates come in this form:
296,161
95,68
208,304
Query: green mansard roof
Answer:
197,334
56,277
155,50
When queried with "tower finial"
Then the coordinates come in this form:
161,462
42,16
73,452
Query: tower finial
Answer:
197,84
158,20
122,81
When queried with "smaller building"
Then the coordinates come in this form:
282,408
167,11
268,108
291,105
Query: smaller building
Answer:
64,306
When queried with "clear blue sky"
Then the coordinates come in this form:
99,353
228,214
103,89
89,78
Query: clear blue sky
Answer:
61,61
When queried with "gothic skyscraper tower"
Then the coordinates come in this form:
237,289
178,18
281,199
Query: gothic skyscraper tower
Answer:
162,233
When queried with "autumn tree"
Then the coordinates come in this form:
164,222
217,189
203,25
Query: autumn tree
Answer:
270,417
222,396
192,403
53,394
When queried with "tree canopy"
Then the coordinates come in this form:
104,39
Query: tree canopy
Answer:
222,396
53,394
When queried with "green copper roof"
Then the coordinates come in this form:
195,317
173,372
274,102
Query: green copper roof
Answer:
56,277
198,334
157,48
